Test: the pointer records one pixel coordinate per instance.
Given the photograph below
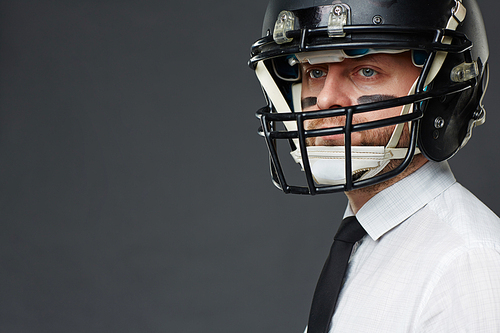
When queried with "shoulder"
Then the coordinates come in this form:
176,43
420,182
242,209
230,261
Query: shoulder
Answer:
465,295
464,290
466,217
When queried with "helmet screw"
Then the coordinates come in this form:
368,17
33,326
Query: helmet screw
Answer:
338,10
438,122
377,19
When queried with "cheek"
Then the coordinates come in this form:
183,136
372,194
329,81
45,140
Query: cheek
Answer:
403,84
377,137
378,115
311,88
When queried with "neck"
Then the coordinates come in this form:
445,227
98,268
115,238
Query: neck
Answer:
357,198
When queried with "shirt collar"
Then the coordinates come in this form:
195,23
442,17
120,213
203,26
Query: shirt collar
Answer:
393,205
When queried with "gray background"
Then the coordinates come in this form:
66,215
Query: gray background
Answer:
134,192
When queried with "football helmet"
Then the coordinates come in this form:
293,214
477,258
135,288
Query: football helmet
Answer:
446,39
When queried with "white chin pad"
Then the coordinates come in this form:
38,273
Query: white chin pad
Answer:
328,162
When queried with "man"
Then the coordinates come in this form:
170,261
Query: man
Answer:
373,97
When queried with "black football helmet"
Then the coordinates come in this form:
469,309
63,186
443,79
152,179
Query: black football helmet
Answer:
447,40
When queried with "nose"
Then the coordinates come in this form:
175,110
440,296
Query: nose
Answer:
336,91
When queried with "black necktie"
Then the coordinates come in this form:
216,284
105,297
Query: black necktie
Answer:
332,275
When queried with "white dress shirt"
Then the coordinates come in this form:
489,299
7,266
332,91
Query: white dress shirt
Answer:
430,261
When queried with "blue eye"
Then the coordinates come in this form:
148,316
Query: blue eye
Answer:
316,73
367,72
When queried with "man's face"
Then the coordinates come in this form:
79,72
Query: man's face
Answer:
370,78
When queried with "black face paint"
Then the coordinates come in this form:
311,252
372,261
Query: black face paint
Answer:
308,102
374,98
311,101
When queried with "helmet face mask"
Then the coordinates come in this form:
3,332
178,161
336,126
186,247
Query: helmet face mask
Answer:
450,80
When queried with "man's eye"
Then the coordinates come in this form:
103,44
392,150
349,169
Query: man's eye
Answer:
367,72
316,73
